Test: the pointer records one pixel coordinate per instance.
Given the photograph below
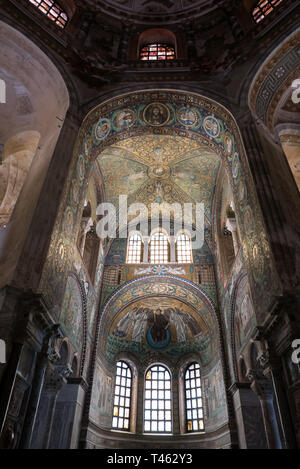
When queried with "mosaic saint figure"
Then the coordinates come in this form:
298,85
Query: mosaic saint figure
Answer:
190,322
179,324
156,114
140,322
159,323
245,311
125,323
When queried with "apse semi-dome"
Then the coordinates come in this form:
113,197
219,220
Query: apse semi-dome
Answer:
155,11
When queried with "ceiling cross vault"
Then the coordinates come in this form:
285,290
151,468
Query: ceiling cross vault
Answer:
160,169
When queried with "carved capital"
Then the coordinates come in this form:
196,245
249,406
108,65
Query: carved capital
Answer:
50,349
56,377
260,385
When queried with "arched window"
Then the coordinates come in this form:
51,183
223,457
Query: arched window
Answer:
159,248
157,44
122,397
157,408
52,10
263,8
184,249
193,399
157,51
134,250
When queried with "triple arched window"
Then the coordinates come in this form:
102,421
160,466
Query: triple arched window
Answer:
52,10
264,8
159,248
158,393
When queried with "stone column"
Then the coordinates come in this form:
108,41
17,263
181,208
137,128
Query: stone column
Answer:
55,379
68,413
264,390
146,240
48,354
250,424
172,249
273,371
140,405
231,226
85,226
35,248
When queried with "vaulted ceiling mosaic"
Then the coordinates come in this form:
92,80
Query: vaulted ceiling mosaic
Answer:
157,169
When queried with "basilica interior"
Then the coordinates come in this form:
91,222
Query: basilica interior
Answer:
144,338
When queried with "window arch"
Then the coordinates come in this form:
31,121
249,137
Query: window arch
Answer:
184,249
157,400
157,51
159,248
52,10
193,399
263,8
122,397
157,44
134,249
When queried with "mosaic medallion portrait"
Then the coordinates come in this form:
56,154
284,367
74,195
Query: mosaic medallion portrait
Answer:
156,114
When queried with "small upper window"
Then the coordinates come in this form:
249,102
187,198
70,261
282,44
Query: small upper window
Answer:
184,250
134,250
52,10
159,248
157,52
263,8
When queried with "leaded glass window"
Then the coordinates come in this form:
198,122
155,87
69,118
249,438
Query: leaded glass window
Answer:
157,409
264,8
122,397
193,399
52,10
159,248
134,250
184,250
157,52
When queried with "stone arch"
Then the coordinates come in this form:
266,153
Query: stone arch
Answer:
111,307
276,134
99,130
73,316
28,133
135,292
274,76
